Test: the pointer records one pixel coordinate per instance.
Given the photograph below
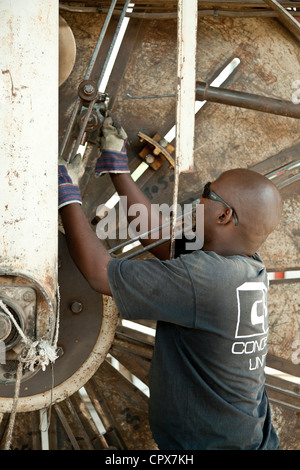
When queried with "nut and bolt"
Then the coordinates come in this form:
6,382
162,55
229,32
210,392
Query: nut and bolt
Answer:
88,89
150,159
76,307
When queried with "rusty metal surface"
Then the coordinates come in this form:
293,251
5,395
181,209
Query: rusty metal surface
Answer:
128,406
285,406
94,6
284,321
286,423
27,435
281,251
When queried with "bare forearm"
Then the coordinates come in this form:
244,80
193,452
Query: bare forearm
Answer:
88,253
125,186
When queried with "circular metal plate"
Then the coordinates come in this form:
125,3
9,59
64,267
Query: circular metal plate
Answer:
67,50
84,339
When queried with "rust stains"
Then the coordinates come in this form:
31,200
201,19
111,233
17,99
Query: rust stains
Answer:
13,93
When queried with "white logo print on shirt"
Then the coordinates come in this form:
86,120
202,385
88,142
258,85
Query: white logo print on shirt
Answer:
252,323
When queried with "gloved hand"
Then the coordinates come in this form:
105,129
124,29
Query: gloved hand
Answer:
113,157
68,174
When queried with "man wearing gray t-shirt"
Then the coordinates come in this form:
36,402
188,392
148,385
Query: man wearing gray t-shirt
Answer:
207,372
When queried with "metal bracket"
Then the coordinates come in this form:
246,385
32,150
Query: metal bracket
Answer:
95,116
156,151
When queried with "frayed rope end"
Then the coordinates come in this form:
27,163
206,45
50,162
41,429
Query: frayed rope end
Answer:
38,354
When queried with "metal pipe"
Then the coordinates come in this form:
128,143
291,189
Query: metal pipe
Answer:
216,12
264,104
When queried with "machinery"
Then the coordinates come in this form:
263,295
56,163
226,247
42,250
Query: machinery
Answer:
85,381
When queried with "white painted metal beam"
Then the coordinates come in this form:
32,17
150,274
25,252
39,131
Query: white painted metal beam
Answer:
29,139
186,79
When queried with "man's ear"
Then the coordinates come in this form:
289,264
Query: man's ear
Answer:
224,216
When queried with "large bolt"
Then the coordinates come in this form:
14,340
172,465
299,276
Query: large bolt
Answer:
88,89
150,159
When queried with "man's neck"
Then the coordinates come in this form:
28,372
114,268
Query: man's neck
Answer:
224,250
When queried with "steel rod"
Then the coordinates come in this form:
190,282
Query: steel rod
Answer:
92,103
284,16
168,4
240,99
87,75
216,12
113,42
100,40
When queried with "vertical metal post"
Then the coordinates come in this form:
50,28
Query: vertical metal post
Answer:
185,111
186,79
28,148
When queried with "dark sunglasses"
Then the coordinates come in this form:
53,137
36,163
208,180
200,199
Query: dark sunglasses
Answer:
209,194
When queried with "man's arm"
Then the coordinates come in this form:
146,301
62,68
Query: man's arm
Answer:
86,250
114,160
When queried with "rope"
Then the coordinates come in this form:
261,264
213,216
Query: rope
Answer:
34,354
12,417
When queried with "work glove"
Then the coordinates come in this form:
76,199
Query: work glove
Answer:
113,157
68,175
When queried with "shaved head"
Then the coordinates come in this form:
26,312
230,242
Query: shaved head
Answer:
256,201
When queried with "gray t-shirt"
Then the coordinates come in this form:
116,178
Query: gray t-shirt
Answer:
207,372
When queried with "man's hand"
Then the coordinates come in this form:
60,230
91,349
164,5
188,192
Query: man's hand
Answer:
113,158
68,190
